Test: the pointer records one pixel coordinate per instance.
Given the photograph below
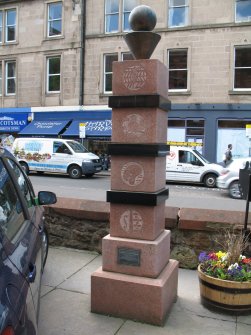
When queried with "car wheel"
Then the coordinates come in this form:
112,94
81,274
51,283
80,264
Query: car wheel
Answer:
234,190
75,172
25,167
45,246
210,180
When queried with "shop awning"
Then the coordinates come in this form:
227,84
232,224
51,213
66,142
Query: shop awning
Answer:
92,128
44,128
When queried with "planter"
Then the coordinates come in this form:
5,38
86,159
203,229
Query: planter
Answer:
224,295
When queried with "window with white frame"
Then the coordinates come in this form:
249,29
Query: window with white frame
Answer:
128,6
53,74
242,69
8,25
178,70
1,26
178,13
242,10
117,13
54,27
126,56
10,77
108,60
1,79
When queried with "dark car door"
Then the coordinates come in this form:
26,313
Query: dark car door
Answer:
21,243
35,218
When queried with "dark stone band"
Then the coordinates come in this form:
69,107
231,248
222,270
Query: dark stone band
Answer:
215,305
225,289
136,101
137,198
148,150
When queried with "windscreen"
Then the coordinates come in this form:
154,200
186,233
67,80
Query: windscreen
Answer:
77,147
202,158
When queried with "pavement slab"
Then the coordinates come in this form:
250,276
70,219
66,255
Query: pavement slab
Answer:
65,304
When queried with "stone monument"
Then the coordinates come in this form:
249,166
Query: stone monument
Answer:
137,279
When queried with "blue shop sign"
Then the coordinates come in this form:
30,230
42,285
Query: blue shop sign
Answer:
12,122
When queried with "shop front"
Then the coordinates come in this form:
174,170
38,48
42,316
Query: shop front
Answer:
211,126
12,121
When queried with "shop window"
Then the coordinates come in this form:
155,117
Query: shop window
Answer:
117,13
54,24
176,123
178,71
8,25
10,77
178,13
108,60
234,132
242,69
53,74
242,10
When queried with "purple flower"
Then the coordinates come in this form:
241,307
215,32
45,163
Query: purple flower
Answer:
234,270
203,256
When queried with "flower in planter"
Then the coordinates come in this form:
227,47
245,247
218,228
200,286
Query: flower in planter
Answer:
229,264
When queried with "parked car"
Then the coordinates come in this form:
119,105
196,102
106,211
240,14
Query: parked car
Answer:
23,248
229,177
185,164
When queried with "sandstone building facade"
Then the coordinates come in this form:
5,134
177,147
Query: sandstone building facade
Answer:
58,55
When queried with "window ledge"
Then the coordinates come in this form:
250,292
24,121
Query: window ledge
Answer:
5,44
52,38
231,92
49,94
105,95
179,93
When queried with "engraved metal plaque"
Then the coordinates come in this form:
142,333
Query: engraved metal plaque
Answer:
128,256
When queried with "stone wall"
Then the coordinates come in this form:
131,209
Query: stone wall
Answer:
82,224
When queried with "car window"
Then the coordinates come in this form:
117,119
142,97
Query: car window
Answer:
77,147
11,213
23,183
60,148
187,157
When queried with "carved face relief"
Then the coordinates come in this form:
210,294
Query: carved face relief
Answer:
134,77
134,125
132,174
131,220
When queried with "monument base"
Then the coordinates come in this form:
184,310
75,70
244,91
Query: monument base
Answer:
132,297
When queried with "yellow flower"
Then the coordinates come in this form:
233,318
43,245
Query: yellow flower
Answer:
221,255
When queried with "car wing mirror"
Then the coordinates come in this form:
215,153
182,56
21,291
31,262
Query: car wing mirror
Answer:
46,198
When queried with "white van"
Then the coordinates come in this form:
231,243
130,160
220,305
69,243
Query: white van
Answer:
55,155
185,164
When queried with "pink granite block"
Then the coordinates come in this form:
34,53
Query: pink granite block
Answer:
141,125
144,76
151,256
138,174
136,221
142,299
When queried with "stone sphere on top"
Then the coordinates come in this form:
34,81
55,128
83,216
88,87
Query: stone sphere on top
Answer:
142,18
